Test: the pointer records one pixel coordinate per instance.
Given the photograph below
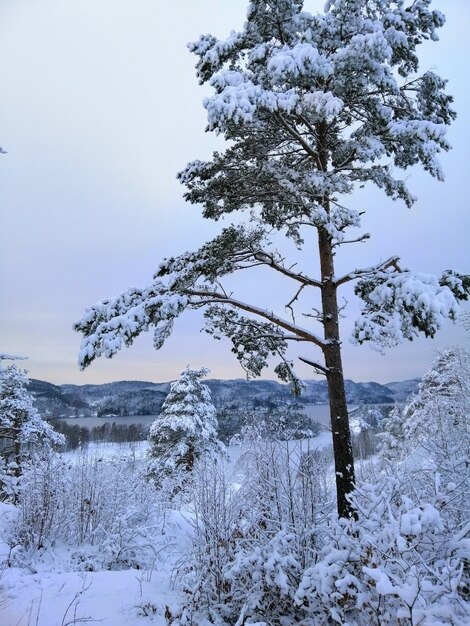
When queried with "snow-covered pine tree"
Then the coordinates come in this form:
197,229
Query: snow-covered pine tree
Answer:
432,431
438,417
313,106
22,431
185,430
392,439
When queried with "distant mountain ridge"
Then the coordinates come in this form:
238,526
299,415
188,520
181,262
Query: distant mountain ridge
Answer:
146,398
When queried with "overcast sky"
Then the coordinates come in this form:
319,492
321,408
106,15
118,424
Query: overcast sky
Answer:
99,109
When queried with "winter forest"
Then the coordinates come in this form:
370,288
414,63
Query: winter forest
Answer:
230,511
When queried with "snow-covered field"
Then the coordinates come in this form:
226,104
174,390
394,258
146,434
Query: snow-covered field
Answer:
52,597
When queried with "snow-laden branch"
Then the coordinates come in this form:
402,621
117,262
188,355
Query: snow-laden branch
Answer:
212,297
112,324
400,305
369,271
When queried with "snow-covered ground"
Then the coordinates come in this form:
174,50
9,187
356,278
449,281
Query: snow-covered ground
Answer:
49,596
56,599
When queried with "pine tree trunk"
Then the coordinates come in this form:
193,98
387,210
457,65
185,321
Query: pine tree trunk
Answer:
342,449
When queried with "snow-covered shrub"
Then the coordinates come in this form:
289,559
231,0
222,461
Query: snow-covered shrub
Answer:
98,509
284,559
253,543
215,519
396,564
282,500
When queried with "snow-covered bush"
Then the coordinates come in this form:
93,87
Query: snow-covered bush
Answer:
215,519
99,510
252,543
398,563
285,495
185,431
280,557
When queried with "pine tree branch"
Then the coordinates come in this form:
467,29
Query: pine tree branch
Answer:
363,237
316,366
296,135
213,297
268,259
391,262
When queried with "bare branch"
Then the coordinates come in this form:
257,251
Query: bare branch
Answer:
316,315
268,259
316,366
363,237
292,300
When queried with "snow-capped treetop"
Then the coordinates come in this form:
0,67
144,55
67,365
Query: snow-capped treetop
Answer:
188,407
352,69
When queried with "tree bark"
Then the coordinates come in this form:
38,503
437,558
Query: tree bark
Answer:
342,449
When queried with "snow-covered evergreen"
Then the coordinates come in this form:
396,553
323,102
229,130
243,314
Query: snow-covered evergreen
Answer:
23,434
436,421
185,430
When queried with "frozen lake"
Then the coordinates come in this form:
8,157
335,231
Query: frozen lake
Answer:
319,412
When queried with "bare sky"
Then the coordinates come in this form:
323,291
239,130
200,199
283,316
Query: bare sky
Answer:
99,109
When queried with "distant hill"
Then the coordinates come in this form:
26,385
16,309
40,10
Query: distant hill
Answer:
404,389
146,398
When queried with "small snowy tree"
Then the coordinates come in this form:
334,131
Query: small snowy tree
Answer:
185,430
313,106
392,439
431,434
22,431
444,392
437,419
437,423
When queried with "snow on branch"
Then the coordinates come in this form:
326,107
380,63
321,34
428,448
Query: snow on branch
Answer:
369,271
111,324
400,305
